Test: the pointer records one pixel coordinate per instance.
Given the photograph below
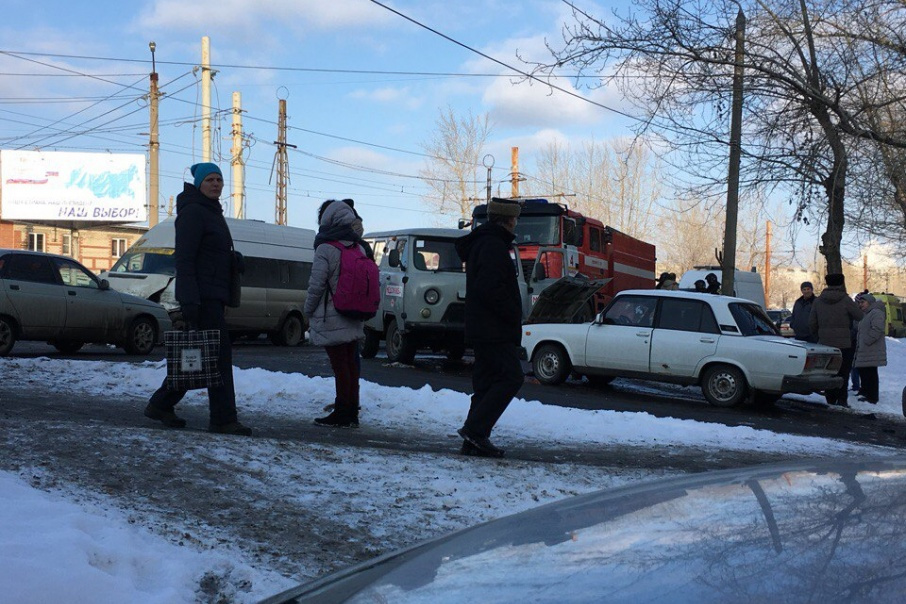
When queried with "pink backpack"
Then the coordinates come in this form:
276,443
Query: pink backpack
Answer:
358,292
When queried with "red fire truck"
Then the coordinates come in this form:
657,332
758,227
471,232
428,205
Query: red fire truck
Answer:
556,242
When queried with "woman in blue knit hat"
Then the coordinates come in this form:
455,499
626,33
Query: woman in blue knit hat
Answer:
204,256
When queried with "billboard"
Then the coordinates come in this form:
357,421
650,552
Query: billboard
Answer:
56,185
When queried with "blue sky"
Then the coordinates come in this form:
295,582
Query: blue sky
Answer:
338,117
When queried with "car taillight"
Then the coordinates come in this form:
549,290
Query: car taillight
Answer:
822,361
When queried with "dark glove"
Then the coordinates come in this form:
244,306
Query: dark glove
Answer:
191,313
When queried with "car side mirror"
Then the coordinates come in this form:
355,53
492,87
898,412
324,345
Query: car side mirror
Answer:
393,258
104,284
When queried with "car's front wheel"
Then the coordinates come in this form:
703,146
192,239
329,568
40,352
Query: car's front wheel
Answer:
551,364
142,337
724,386
7,336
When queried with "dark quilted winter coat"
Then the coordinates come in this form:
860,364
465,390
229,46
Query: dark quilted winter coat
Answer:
832,315
203,248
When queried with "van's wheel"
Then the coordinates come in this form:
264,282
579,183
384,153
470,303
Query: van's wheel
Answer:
141,338
7,336
371,343
724,386
290,333
551,364
67,346
400,348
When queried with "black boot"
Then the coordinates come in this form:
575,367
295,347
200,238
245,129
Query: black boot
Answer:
166,417
338,419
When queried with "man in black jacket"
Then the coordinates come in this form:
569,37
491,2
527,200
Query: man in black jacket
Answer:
204,252
493,324
802,308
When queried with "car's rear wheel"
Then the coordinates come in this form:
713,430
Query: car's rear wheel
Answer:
724,386
290,333
400,348
551,364
371,344
142,337
7,336
67,347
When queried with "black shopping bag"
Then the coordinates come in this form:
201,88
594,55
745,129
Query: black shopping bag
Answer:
192,359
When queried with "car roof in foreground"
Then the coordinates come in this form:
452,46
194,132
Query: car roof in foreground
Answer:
679,293
796,532
35,252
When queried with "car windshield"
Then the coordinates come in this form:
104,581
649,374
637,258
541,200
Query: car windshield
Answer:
437,255
752,320
153,261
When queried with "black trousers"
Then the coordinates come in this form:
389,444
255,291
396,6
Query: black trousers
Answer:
222,400
496,378
870,383
840,395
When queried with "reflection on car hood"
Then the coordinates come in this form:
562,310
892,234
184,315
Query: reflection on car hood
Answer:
804,532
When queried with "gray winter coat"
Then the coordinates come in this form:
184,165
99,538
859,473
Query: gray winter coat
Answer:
871,346
832,316
327,327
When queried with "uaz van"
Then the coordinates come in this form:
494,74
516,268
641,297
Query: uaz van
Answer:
274,286
896,328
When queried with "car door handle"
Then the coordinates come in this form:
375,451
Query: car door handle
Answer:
642,334
71,292
15,287
707,340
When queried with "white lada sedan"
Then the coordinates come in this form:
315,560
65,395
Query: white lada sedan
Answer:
726,345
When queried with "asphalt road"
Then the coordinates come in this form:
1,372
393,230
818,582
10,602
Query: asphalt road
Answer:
661,400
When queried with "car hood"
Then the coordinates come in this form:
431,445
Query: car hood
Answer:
560,301
798,532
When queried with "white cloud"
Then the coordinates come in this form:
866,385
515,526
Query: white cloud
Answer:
242,15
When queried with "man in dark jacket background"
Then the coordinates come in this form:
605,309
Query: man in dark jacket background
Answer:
203,255
830,321
802,310
493,324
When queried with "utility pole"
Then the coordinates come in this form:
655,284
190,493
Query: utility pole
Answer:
205,99
864,271
514,166
153,145
282,165
488,162
236,160
767,264
729,254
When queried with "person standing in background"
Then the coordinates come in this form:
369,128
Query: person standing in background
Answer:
871,349
802,310
830,320
204,256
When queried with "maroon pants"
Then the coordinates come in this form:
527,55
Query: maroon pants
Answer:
344,362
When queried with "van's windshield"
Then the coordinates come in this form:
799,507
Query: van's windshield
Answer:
436,255
157,261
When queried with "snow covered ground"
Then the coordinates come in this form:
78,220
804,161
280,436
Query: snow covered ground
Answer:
60,544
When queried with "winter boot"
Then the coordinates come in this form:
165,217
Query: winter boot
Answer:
166,417
338,419
234,428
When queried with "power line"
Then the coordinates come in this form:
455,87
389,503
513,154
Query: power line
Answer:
499,62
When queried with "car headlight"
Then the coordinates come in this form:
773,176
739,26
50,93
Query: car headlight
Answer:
432,296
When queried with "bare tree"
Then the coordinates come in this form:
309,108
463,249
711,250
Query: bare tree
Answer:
454,172
805,111
618,182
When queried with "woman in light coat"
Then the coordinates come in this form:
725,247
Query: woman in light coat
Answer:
871,345
339,335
